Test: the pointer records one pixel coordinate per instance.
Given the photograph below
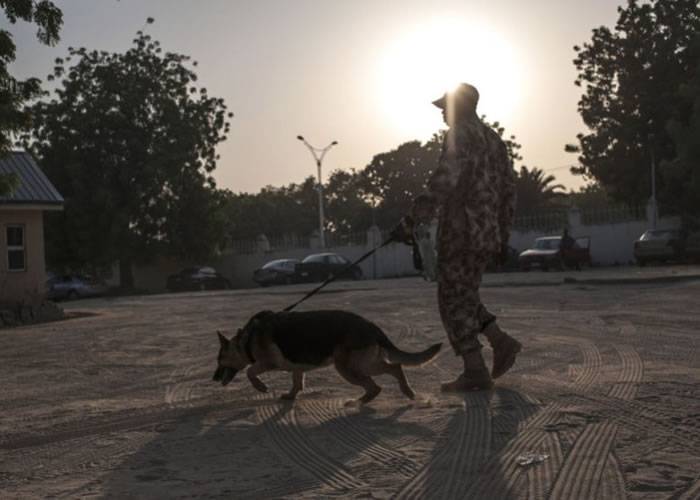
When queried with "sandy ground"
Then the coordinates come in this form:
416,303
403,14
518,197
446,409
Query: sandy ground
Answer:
120,404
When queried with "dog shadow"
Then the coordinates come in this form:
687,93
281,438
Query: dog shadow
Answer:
272,449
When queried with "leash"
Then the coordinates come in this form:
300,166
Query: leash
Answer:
333,277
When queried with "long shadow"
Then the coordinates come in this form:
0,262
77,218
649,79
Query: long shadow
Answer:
467,460
236,456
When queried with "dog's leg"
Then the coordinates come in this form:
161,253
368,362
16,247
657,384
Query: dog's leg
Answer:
397,372
253,372
297,385
372,390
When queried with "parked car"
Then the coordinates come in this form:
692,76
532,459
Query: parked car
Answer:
320,266
197,278
276,272
71,287
546,254
661,245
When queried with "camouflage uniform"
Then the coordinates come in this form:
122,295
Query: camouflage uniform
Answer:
474,190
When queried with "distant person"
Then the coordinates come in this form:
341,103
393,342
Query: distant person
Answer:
566,246
473,192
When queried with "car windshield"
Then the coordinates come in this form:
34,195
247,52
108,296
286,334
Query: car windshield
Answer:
318,257
659,235
547,243
275,264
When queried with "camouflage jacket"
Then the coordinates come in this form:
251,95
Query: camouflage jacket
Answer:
473,187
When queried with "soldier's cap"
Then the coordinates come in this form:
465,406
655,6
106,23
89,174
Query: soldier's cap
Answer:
461,94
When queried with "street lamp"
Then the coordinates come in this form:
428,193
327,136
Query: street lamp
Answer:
318,154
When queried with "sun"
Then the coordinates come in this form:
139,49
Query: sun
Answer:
429,59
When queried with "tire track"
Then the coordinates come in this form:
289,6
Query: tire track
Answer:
540,478
581,474
613,485
287,436
463,451
630,375
356,439
126,420
692,493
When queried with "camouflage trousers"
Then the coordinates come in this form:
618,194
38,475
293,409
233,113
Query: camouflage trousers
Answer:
462,313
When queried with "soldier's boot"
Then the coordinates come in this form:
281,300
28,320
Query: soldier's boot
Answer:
475,376
505,349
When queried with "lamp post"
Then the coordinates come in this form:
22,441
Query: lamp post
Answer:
318,154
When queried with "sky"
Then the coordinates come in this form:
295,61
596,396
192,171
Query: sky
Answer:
360,72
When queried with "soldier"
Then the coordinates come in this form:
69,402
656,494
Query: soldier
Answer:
473,192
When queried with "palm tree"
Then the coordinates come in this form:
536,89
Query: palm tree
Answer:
535,190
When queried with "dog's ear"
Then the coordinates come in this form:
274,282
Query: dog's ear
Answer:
222,340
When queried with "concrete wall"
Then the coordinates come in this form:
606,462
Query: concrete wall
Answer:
611,244
392,261
28,285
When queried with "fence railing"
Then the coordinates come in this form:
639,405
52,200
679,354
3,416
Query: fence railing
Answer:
542,221
612,215
289,242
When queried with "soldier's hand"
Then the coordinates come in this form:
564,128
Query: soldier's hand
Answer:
403,232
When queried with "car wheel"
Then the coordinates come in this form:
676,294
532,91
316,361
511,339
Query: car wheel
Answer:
72,295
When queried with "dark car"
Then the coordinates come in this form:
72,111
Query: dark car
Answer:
276,272
197,278
547,254
661,245
71,287
320,266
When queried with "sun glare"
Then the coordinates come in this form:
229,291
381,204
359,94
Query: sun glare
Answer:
424,62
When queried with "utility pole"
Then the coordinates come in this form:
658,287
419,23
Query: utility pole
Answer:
318,154
655,209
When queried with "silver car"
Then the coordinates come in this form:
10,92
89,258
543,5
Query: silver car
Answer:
71,287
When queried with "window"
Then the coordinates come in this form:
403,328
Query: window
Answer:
15,248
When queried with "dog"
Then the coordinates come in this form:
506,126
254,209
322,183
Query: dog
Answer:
301,341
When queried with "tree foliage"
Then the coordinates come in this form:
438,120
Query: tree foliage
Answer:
14,93
535,190
682,174
631,75
130,141
380,193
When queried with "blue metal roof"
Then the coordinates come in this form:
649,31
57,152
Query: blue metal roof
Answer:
34,187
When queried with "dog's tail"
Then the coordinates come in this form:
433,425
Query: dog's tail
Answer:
397,356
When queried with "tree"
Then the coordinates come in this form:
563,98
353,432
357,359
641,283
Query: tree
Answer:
14,93
130,142
393,179
534,190
631,76
283,211
348,209
682,174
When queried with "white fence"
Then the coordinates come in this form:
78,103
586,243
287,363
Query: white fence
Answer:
612,233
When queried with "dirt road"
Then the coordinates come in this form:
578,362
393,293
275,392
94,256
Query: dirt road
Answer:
120,404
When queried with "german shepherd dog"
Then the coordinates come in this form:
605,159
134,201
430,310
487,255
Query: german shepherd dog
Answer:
301,341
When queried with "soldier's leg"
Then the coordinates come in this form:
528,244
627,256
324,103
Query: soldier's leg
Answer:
459,304
505,348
